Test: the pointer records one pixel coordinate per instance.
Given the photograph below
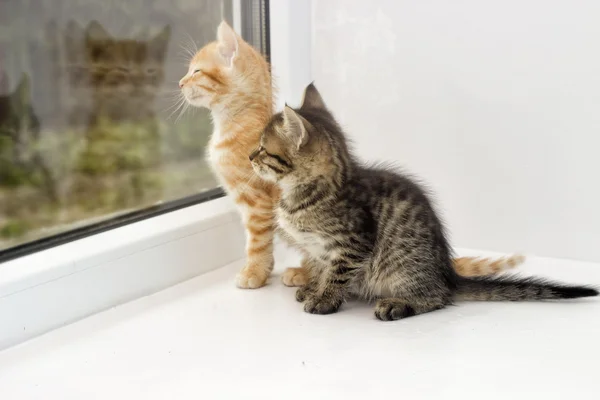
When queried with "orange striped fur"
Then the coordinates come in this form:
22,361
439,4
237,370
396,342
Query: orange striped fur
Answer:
476,266
233,80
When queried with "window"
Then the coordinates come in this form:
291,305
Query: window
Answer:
90,133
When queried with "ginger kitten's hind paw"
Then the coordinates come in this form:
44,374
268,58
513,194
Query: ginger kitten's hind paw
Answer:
251,278
294,277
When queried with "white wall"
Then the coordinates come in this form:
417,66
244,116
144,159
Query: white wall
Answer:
290,29
496,104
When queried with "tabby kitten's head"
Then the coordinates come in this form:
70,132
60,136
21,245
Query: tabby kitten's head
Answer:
227,73
300,145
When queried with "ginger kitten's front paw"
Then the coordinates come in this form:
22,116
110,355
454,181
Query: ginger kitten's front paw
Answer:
321,305
251,277
294,277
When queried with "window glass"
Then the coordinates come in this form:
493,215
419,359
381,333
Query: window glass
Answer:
90,127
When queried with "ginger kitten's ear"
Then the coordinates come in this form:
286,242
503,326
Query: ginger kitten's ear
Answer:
228,43
96,31
312,98
159,43
294,127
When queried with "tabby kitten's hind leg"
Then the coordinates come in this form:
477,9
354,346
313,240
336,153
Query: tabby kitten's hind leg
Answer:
392,309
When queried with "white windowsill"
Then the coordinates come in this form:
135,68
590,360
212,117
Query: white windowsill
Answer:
54,287
206,339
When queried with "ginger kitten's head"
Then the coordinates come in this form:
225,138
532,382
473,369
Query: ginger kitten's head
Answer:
122,75
300,145
227,71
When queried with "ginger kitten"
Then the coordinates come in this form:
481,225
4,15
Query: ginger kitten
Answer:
233,80
368,232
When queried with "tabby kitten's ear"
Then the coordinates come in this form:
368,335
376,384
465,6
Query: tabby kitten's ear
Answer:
294,127
228,43
312,98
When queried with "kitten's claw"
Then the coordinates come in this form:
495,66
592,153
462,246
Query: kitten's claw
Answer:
250,278
294,277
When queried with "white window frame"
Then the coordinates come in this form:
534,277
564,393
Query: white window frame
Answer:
54,287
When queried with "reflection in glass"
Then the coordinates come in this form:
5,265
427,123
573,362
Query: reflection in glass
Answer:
86,88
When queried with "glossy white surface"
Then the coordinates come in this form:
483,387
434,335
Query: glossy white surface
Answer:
205,339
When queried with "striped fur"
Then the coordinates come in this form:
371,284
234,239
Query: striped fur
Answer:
233,80
369,232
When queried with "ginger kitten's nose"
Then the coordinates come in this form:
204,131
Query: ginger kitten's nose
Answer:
181,83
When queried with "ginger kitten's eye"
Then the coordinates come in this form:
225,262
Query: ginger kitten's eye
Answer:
195,71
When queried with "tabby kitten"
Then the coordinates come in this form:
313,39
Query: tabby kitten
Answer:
368,232
233,80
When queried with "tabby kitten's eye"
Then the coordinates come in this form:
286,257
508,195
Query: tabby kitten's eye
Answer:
255,153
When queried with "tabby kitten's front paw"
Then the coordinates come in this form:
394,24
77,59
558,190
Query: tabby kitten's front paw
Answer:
321,305
252,277
303,293
392,310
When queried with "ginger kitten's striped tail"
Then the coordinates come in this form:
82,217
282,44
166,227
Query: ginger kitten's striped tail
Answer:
478,266
514,288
